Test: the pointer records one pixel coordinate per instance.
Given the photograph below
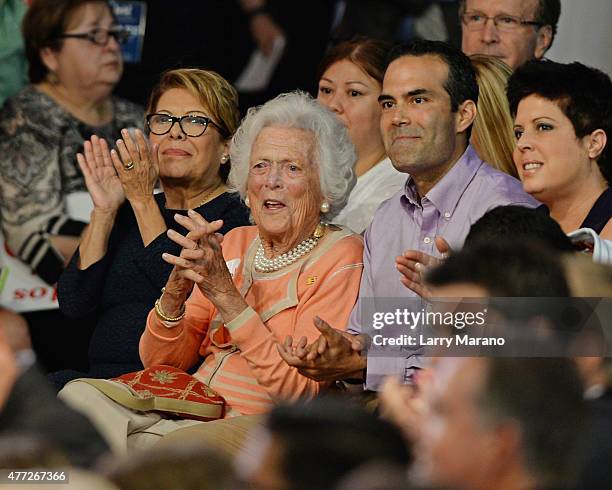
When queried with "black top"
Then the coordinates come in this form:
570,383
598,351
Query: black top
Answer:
121,288
600,213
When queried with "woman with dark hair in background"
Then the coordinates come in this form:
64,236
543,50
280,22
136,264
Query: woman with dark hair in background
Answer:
350,82
563,120
75,61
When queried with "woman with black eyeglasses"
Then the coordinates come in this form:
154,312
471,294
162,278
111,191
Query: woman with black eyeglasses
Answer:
75,61
72,48
117,271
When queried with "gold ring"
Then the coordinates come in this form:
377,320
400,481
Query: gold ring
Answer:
129,166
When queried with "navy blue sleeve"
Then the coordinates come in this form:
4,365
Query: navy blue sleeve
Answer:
79,291
150,261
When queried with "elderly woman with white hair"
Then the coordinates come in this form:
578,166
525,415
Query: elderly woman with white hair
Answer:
229,301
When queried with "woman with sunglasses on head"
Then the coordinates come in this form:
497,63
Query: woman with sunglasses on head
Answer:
118,271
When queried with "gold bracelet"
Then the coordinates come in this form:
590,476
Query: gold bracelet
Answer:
163,316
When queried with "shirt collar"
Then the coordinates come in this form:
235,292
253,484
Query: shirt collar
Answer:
446,193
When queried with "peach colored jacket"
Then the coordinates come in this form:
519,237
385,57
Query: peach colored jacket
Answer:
241,361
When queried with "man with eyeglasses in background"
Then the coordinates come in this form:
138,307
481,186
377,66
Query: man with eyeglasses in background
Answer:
514,31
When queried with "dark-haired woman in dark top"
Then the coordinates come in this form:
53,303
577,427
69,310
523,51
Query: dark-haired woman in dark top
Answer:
563,126
117,272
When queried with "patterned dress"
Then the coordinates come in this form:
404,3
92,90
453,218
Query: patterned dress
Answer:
39,140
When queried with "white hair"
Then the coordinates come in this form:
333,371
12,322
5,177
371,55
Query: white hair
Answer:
335,154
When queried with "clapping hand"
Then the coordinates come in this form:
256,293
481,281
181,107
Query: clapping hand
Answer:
136,165
101,178
413,264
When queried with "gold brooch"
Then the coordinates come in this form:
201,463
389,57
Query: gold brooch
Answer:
311,280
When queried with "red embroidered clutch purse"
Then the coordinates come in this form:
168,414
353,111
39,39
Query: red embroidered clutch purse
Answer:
163,389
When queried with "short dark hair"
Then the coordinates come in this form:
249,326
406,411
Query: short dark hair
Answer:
519,223
505,268
371,55
583,94
547,13
325,438
461,84
43,23
545,397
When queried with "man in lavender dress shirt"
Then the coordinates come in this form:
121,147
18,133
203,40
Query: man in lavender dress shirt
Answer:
428,106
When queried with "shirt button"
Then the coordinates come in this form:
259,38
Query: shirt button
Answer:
447,215
427,239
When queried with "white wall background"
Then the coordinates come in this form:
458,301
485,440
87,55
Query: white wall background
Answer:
584,34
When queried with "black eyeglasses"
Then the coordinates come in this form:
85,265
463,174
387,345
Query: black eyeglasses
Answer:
100,36
193,126
476,21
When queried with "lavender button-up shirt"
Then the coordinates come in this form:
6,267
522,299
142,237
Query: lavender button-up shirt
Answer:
467,191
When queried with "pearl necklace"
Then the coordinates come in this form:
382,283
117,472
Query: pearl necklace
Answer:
264,264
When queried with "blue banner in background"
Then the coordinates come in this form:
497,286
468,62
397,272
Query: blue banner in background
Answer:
131,16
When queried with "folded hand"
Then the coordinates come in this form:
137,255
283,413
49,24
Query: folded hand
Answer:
334,355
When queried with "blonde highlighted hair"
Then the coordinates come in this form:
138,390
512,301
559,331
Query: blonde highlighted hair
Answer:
493,134
211,89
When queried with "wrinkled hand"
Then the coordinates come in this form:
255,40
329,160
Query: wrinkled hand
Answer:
334,355
413,264
178,285
101,178
265,31
177,289
139,181
201,261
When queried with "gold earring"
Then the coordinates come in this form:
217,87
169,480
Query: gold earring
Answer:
52,77
224,158
325,207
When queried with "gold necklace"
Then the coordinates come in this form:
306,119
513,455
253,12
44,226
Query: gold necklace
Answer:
207,196
204,199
